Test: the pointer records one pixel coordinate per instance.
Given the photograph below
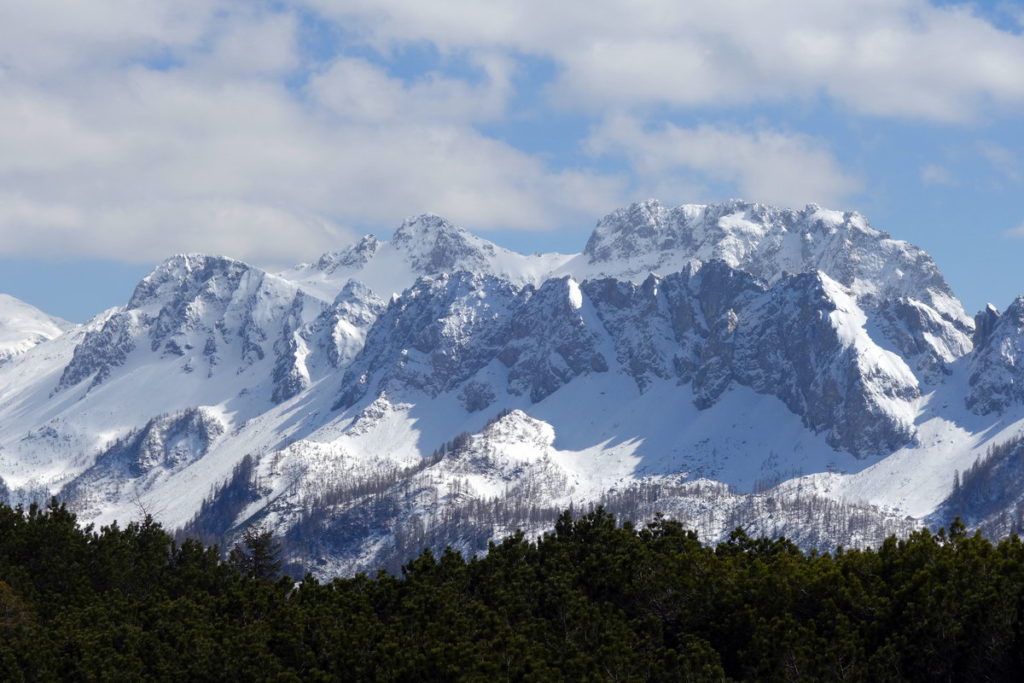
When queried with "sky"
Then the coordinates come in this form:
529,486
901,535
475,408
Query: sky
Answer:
131,130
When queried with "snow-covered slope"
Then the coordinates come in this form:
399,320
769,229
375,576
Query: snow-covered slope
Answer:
793,370
22,326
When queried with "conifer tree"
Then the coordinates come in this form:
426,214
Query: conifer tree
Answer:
258,556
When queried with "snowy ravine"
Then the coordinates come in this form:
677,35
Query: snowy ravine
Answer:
796,372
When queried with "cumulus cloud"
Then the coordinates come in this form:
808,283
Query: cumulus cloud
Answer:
198,131
58,40
905,58
170,164
133,129
358,90
763,165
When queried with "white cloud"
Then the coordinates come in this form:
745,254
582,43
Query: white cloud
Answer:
903,58
135,128
169,164
763,165
934,174
248,45
359,90
215,150
57,40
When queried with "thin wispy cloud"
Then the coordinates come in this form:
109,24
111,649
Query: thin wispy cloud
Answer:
1015,233
1004,161
934,174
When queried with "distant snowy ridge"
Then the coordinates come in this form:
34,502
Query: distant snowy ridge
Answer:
23,326
727,363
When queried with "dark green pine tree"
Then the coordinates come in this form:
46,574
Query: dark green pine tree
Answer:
258,556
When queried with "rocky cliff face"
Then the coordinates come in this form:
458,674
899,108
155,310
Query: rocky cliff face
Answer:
204,311
434,337
802,340
997,364
917,313
437,388
213,316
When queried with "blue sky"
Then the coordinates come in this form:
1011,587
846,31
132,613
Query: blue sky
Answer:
132,130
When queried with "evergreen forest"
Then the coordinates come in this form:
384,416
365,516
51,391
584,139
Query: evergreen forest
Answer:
597,599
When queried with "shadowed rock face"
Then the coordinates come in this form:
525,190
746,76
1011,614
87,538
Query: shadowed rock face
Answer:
335,386
794,344
997,364
929,327
437,335
715,327
801,340
569,346
929,343
101,351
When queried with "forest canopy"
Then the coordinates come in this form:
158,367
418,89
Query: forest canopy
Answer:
595,599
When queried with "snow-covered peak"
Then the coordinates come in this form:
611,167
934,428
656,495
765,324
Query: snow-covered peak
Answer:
23,326
181,275
516,428
424,245
769,342
766,242
426,227
432,245
1015,311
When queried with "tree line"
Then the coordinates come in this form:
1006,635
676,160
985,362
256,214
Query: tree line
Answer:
595,599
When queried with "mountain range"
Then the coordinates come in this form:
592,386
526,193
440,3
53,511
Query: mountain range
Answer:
797,372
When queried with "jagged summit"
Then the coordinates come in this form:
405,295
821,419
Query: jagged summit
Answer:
984,322
997,366
182,273
426,227
432,246
630,243
356,255
423,245
767,242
